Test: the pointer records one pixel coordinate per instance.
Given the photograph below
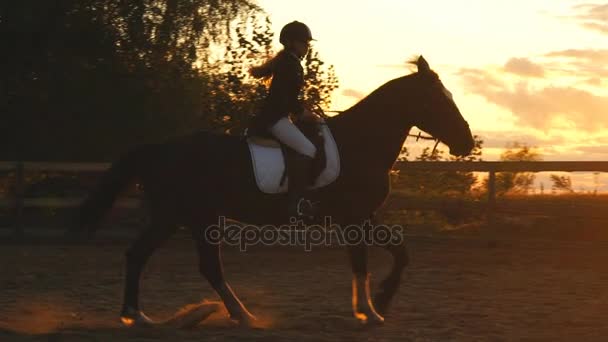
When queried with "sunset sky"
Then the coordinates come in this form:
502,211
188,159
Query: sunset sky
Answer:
527,71
535,72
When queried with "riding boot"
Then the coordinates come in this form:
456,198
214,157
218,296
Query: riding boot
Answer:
299,174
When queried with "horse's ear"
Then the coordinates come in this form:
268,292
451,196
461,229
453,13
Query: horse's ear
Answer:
423,65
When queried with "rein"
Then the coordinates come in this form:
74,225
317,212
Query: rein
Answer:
425,137
418,136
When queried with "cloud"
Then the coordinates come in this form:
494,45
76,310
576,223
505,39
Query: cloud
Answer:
594,81
597,27
549,147
593,16
541,108
589,63
478,78
595,149
353,93
502,139
602,140
588,55
524,67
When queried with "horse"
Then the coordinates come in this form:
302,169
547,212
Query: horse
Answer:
194,180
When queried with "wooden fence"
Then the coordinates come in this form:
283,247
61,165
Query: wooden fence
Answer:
18,202
492,167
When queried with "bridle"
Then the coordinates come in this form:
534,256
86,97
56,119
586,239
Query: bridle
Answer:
318,110
425,137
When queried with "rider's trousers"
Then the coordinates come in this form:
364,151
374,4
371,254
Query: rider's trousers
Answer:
290,135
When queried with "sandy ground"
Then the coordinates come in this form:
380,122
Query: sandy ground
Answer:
454,290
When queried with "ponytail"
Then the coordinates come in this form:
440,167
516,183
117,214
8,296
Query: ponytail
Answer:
264,70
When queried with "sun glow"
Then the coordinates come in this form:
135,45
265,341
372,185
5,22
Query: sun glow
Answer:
523,69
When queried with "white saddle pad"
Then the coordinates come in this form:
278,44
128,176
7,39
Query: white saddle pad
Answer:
269,164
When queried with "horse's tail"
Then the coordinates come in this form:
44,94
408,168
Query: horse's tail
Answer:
120,174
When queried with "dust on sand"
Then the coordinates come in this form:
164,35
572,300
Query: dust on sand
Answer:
454,289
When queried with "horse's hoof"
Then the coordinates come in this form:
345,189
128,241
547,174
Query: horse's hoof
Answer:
375,319
246,320
370,318
381,303
133,318
192,315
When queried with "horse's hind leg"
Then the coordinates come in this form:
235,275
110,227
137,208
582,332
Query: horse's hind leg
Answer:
210,266
390,285
136,257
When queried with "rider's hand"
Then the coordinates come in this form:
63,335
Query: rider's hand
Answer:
307,115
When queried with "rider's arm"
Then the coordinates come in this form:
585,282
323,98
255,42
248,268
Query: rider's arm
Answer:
285,89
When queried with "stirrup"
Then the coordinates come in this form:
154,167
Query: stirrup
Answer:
305,210
304,207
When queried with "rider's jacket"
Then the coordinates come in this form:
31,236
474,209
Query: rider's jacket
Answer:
283,95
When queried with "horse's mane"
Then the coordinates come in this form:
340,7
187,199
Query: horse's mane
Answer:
369,97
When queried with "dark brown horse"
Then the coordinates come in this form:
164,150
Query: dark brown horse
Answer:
194,180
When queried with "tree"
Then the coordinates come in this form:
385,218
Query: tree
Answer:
439,182
87,80
107,74
519,182
319,82
561,183
238,96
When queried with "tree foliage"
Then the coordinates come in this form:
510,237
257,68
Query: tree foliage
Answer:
318,94
516,182
238,96
561,183
441,182
87,80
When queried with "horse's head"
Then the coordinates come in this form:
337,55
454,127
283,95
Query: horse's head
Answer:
437,113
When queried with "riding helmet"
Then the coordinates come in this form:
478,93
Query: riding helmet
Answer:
295,30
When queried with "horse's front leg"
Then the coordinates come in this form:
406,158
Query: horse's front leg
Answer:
389,286
363,307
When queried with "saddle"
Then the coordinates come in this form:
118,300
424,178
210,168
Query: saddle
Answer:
312,131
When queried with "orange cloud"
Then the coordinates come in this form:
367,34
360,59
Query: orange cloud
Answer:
501,139
593,16
524,67
583,63
596,149
541,108
594,81
587,63
589,55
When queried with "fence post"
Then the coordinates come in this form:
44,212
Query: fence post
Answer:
19,192
491,197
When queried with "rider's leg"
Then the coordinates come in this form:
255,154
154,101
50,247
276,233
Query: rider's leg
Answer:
299,173
300,163
290,135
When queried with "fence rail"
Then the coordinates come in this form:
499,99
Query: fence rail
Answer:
18,202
